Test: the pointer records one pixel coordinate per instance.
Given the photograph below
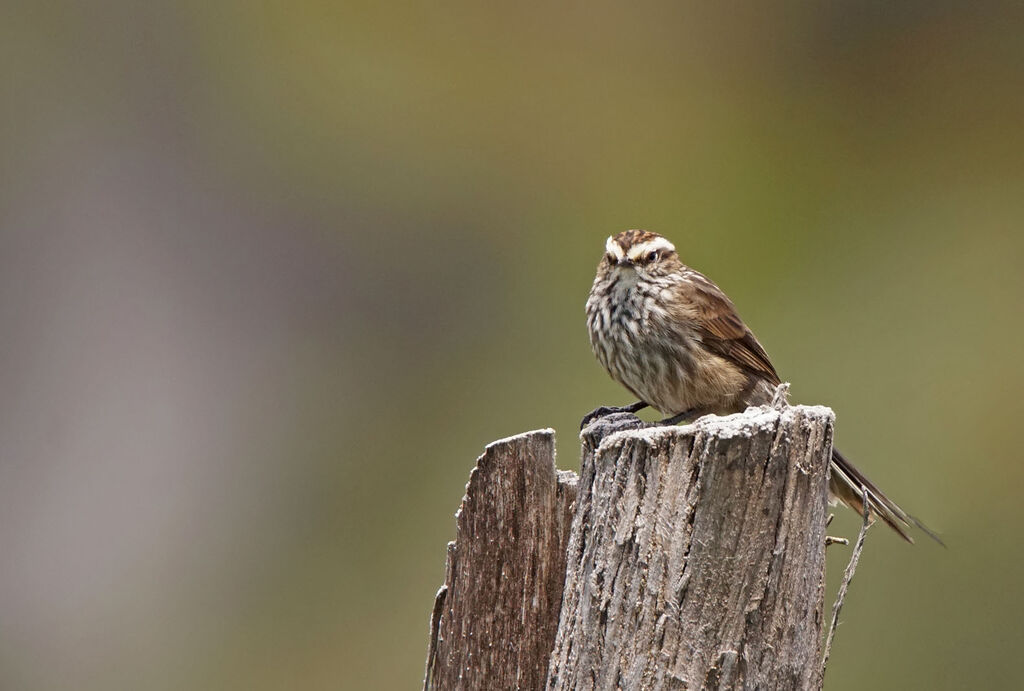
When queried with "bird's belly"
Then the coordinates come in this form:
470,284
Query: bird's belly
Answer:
679,379
664,363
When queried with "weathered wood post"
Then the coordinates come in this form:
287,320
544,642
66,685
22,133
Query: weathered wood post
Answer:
495,617
695,559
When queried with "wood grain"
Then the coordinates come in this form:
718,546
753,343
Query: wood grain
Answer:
697,555
494,619
683,558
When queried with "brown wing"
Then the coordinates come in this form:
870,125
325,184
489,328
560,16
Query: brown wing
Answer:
725,333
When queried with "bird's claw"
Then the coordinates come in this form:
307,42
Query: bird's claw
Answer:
606,410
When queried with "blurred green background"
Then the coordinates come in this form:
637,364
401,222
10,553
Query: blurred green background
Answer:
272,275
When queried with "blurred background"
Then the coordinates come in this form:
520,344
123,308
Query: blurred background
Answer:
272,275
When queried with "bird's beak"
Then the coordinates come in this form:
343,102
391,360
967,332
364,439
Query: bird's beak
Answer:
624,261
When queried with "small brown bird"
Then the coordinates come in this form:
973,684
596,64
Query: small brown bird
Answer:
673,338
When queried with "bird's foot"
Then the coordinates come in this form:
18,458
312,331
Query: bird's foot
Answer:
607,410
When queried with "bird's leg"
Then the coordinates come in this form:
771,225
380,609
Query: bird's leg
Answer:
610,410
690,414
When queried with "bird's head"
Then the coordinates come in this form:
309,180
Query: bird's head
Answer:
640,252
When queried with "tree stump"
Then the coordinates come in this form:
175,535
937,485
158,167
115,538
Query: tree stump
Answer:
695,559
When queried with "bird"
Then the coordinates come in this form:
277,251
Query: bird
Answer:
675,340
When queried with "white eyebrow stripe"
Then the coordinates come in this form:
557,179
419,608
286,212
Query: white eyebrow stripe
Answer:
613,248
655,245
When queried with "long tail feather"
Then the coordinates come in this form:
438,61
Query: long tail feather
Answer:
846,483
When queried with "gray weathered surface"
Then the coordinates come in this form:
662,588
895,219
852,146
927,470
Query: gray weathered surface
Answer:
494,619
697,555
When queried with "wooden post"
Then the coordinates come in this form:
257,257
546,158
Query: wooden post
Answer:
494,618
695,559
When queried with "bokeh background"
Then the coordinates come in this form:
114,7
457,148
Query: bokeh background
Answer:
272,275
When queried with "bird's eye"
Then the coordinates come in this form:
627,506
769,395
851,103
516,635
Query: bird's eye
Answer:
610,258
652,256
